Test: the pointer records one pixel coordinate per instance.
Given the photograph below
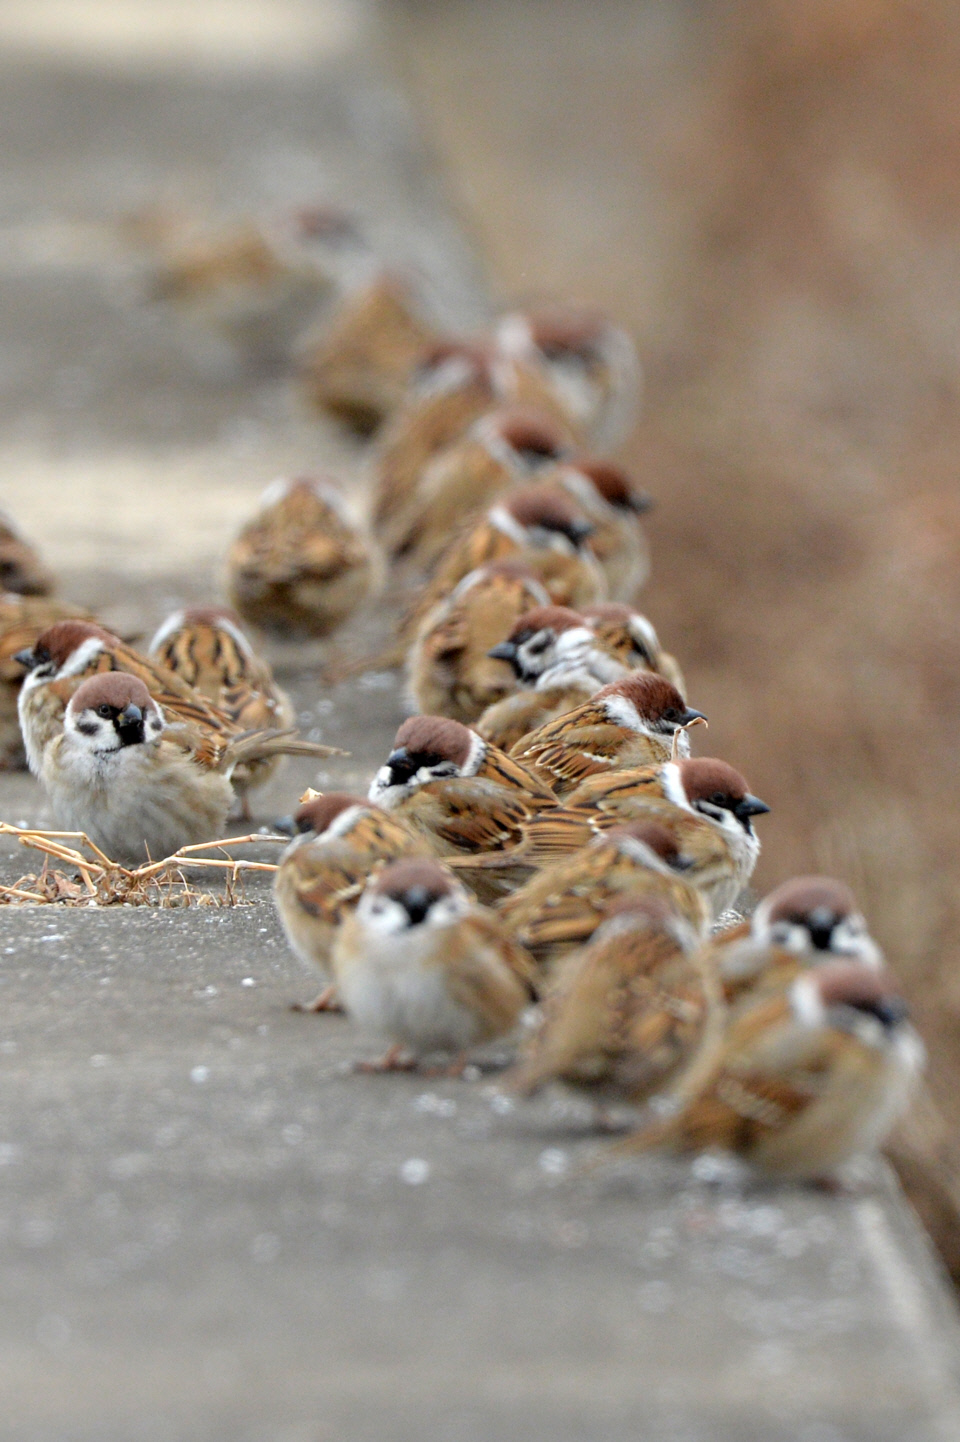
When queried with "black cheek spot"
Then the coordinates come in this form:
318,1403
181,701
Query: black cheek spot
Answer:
88,728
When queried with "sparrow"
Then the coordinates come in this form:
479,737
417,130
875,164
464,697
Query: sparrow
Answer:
455,383
537,526
139,789
425,967
359,367
69,652
558,663
21,569
630,636
206,647
560,907
801,1078
22,620
590,363
504,448
453,788
450,669
807,921
253,281
637,721
614,505
342,841
301,566
704,802
628,1012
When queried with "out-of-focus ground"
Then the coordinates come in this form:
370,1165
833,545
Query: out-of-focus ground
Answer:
769,195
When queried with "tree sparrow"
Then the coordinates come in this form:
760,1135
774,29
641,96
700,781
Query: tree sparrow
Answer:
206,647
802,1078
452,787
560,907
630,636
21,569
450,669
590,362
537,526
627,1012
22,620
359,367
637,721
455,384
113,774
301,566
504,448
69,652
558,663
704,803
342,841
422,965
614,505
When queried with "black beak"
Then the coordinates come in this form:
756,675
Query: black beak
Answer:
401,766
689,716
640,502
503,651
130,726
416,903
750,806
26,659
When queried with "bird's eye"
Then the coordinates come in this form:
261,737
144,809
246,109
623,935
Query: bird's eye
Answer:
104,710
718,799
672,715
537,646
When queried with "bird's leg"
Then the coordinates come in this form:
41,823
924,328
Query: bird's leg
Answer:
326,1001
392,1060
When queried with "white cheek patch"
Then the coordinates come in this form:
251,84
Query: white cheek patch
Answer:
807,1003
501,519
622,712
673,786
82,657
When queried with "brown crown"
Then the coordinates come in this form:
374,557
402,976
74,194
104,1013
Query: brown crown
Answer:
795,900
59,641
111,688
317,815
542,618
854,984
567,328
613,482
531,430
548,506
704,777
402,876
435,736
651,694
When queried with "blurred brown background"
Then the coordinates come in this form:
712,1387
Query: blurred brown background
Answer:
768,193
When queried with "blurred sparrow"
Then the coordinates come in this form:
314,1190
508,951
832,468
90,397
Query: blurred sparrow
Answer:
422,965
560,907
537,526
301,566
504,448
614,505
628,1012
21,569
590,362
139,789
22,620
450,669
558,662
205,646
629,635
802,1078
455,384
342,842
637,721
808,921
71,651
360,365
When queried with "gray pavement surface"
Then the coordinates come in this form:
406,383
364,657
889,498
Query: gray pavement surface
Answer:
210,1230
